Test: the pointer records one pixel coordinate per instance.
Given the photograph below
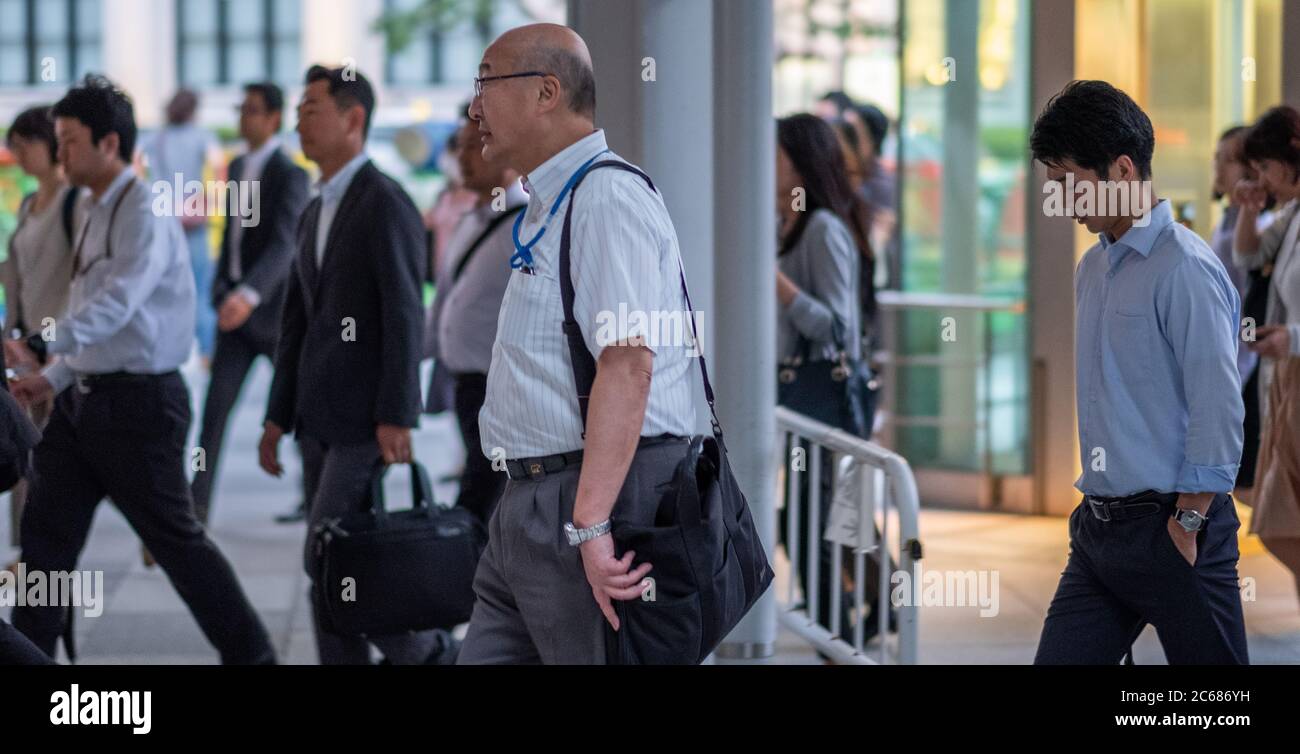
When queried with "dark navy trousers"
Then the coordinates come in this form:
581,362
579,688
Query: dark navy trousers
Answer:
1124,574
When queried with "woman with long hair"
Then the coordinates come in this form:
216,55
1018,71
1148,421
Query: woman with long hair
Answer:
822,298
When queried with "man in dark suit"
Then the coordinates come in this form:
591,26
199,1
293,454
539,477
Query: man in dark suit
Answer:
347,365
256,252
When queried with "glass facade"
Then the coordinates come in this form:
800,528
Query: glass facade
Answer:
50,43
961,379
226,42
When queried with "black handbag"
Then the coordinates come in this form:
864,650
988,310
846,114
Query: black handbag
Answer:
709,563
381,572
840,393
18,436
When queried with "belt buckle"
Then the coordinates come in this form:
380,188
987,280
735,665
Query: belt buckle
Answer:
83,386
1096,505
536,470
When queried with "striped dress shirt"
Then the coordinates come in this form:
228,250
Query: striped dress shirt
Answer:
625,261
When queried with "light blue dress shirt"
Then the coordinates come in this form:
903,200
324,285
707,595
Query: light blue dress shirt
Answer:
1158,394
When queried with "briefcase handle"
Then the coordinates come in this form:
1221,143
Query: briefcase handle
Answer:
421,491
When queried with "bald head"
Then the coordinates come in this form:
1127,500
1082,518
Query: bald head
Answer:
556,50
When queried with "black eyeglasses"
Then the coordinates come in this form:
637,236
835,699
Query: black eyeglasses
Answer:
478,82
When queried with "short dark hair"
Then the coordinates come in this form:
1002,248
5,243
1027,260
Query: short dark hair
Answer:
348,88
182,106
35,123
104,109
1271,138
877,124
1092,124
574,73
271,94
840,100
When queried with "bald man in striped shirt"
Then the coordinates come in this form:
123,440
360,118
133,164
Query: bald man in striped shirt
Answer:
547,584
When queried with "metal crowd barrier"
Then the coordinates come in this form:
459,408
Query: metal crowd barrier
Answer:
882,499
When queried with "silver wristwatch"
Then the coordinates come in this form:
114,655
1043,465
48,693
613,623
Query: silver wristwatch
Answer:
578,536
1189,519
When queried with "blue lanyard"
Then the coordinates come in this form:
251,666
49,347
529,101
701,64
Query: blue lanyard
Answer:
523,256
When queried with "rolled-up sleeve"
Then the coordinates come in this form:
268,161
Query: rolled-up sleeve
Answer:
616,256
1199,311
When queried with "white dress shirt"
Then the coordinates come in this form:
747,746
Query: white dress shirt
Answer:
250,170
624,255
133,311
463,318
331,194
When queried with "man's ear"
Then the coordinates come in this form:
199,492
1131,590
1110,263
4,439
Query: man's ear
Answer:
357,119
110,144
548,98
1126,168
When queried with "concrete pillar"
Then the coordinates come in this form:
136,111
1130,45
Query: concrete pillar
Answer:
702,128
140,56
1291,52
1054,435
744,142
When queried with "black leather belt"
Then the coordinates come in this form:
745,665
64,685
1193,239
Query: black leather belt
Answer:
88,382
539,467
1130,507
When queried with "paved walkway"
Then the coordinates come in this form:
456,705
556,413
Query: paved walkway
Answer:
144,622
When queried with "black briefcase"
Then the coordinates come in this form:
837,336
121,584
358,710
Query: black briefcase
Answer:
709,565
382,572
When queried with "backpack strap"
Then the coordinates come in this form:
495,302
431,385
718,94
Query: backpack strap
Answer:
492,225
69,204
584,365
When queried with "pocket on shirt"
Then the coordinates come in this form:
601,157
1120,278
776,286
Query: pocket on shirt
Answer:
1132,343
525,309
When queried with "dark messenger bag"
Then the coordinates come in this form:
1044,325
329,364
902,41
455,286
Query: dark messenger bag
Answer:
709,564
409,570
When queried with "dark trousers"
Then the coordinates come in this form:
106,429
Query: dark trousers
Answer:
16,649
1123,574
232,359
533,602
1250,430
480,485
126,441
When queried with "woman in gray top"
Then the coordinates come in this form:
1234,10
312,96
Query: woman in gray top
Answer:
823,243
823,247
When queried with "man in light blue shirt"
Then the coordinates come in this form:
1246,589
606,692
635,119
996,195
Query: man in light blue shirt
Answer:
1159,403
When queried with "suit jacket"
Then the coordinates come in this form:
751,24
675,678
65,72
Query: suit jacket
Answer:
266,249
350,336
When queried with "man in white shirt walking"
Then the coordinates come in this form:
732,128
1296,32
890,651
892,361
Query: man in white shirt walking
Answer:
546,583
